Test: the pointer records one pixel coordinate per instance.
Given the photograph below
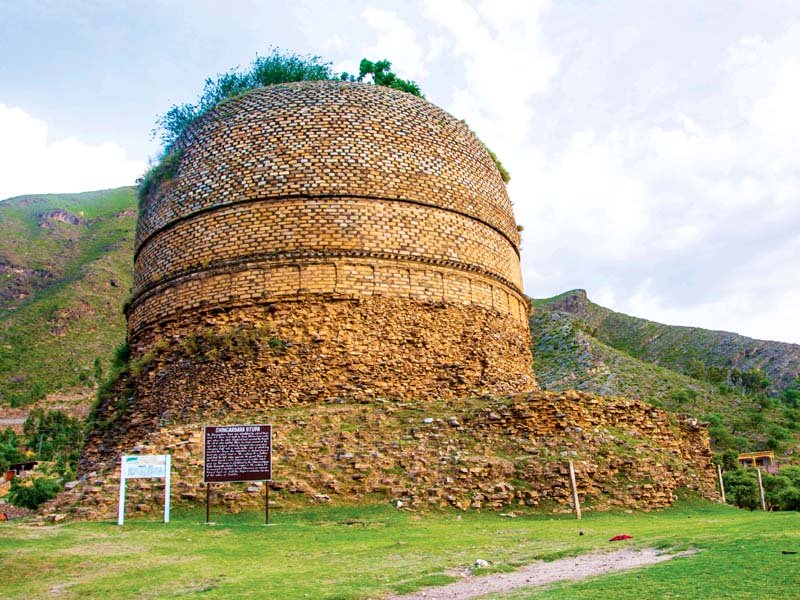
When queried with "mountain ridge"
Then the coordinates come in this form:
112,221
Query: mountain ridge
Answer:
567,355
655,342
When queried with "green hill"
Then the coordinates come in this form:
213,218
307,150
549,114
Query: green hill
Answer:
689,350
580,345
65,271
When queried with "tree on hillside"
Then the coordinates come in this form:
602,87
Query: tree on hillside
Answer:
55,436
9,449
752,381
791,395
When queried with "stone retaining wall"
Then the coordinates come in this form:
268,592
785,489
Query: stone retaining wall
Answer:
260,357
468,453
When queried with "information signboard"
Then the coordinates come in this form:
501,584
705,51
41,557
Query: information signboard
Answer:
144,466
238,453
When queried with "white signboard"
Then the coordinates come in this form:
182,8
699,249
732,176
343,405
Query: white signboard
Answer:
148,466
145,467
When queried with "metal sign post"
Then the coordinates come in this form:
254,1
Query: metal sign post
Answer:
148,466
237,453
208,503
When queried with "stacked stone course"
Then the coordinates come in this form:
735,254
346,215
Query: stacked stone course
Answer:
487,453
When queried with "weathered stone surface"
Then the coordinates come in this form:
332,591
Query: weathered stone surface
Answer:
507,452
365,200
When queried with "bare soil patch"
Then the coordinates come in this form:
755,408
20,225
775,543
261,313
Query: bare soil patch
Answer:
543,573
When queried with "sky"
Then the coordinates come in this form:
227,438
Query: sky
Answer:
654,147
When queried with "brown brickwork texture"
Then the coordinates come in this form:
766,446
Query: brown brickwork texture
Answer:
375,201
324,139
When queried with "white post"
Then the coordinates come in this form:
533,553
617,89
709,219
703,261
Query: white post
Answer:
168,467
576,502
121,513
721,484
761,489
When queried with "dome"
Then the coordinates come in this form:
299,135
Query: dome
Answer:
329,191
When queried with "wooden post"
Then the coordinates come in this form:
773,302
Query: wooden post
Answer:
721,484
266,502
575,502
761,489
208,504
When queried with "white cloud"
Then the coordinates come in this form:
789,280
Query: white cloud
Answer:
333,44
505,64
581,198
396,41
32,164
751,306
692,220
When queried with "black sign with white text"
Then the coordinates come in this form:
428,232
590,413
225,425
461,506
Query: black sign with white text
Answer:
238,453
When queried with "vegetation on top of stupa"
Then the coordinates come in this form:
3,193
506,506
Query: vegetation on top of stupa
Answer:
275,68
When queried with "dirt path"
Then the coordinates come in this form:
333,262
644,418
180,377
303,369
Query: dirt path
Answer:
541,573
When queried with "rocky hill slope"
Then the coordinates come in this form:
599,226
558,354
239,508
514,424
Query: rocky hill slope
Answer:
65,271
576,345
687,350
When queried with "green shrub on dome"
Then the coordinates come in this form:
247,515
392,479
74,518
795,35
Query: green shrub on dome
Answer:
277,67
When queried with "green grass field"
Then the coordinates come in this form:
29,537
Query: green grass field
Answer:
368,551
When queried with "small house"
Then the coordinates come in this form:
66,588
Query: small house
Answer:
763,460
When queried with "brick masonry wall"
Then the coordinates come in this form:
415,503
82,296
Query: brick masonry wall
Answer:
332,192
309,227
320,139
184,299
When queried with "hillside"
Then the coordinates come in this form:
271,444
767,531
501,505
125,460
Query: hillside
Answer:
65,271
687,350
568,356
